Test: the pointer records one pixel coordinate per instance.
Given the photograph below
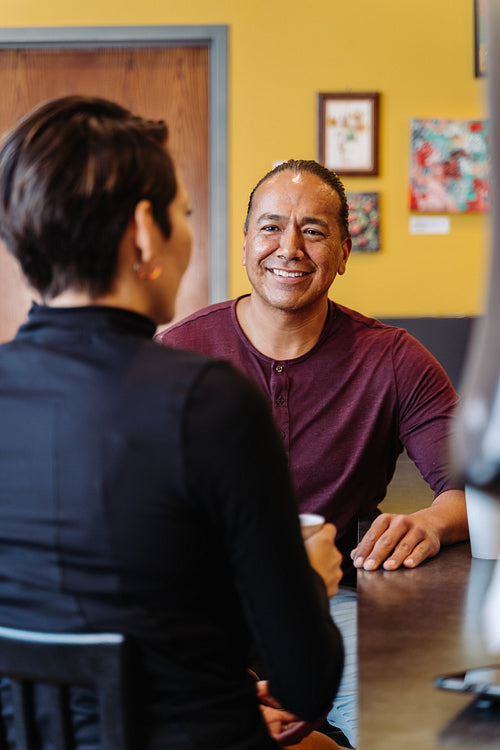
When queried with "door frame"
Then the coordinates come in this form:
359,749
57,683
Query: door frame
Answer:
215,37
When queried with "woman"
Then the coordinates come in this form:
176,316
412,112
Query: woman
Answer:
144,490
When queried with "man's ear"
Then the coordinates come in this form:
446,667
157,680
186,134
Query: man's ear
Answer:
244,251
143,225
346,251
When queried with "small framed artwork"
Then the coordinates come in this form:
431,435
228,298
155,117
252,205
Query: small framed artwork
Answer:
364,221
348,133
480,50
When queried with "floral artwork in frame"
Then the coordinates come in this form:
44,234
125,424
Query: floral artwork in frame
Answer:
364,221
449,166
348,133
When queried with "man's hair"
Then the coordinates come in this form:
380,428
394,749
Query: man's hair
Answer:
327,176
71,174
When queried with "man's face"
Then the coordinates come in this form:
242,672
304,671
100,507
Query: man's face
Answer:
293,246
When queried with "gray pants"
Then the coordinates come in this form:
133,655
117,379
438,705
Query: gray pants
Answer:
344,713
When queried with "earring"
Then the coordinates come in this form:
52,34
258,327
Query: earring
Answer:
147,275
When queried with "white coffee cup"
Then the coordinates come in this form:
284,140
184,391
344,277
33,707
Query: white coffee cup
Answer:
483,515
310,523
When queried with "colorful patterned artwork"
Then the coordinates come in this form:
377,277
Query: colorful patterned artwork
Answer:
364,221
449,168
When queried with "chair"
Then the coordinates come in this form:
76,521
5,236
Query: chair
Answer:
54,663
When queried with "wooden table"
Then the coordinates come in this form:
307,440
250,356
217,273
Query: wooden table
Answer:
412,626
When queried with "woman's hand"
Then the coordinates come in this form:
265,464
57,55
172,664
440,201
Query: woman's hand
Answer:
284,727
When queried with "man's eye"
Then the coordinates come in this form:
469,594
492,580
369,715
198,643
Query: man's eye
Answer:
314,232
270,228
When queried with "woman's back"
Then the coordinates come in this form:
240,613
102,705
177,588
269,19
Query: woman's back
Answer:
123,506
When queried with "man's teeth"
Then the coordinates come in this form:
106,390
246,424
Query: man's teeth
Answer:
288,274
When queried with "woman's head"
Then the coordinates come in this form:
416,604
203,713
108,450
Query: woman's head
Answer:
71,174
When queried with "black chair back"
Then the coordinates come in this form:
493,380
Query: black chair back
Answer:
52,663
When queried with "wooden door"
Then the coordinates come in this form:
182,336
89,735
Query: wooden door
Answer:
169,83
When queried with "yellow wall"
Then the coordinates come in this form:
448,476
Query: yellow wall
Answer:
418,55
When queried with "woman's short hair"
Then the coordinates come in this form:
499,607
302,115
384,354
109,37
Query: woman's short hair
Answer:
328,176
71,174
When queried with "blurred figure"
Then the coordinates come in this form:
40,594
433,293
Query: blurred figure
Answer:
476,439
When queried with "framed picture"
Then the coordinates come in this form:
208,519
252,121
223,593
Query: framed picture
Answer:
348,133
449,166
364,221
480,50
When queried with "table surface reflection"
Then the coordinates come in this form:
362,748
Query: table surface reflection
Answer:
412,626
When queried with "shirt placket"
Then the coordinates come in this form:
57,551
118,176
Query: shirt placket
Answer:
280,386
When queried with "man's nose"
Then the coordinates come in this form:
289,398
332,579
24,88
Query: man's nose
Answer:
292,243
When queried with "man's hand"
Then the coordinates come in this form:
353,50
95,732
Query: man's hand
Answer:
325,558
394,540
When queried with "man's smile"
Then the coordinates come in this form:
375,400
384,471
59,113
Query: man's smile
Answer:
287,274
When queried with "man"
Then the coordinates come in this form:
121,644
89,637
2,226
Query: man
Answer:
348,393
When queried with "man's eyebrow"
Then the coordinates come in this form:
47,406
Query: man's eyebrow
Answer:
303,220
271,217
314,220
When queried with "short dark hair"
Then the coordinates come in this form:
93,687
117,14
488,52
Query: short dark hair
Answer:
327,176
71,174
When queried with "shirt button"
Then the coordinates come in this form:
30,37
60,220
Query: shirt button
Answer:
278,368
280,400
282,435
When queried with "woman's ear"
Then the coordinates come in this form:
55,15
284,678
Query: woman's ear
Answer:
143,226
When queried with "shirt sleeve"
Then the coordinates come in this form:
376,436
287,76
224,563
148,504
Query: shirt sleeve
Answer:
237,463
427,404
